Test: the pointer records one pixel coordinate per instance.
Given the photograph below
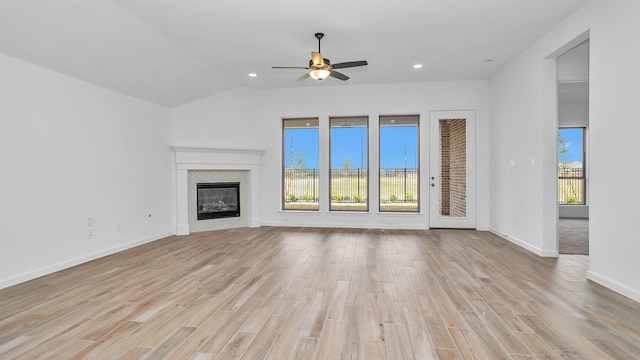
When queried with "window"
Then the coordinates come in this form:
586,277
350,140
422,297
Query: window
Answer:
571,166
399,165
300,164
349,163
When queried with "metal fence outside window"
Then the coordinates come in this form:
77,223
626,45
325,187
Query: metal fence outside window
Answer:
301,184
571,186
399,185
351,185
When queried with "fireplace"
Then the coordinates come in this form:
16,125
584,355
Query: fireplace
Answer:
196,165
218,200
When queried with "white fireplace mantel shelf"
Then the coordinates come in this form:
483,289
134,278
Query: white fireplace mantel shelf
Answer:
210,158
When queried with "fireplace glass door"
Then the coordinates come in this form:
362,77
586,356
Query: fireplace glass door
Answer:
218,200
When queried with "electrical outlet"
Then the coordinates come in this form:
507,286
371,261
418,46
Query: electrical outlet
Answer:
118,227
90,234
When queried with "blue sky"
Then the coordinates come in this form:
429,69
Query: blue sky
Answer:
347,144
573,141
305,147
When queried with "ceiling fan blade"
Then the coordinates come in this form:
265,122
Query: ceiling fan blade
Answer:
316,58
288,67
303,77
349,64
338,75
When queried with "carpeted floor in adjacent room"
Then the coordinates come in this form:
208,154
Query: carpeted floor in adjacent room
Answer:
574,236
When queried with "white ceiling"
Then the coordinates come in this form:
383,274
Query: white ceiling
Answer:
171,52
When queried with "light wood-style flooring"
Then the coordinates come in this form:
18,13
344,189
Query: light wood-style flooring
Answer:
306,293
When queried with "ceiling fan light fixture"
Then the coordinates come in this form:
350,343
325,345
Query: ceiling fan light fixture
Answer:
321,68
320,74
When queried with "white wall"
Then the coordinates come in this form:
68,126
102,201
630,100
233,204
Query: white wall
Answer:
252,119
523,123
573,112
68,151
226,120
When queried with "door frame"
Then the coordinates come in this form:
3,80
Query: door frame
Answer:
470,220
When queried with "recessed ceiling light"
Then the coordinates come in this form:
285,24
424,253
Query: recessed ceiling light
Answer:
253,75
417,66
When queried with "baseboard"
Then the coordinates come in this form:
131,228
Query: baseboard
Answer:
17,279
525,245
182,229
622,289
255,222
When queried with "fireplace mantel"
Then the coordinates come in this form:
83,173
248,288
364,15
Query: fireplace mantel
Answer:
209,158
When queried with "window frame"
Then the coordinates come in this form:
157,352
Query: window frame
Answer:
283,167
401,118
364,154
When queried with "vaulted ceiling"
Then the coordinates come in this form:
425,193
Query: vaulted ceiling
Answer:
172,52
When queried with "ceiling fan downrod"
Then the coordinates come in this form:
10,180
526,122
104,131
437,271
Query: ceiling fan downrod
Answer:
319,36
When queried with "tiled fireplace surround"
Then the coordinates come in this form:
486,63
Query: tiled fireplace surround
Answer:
215,163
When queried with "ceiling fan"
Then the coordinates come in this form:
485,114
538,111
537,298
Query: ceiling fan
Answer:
321,68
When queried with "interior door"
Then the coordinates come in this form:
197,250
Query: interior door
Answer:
452,169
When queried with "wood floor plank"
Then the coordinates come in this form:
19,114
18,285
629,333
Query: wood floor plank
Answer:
355,295
421,343
98,349
448,354
496,326
202,334
397,340
373,318
353,335
316,314
338,305
229,328
290,293
272,302
165,348
134,353
330,340
236,346
263,340
490,345
467,345
537,347
376,351
284,345
306,349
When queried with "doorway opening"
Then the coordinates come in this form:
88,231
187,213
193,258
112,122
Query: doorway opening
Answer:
572,78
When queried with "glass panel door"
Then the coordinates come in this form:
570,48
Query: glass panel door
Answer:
452,169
